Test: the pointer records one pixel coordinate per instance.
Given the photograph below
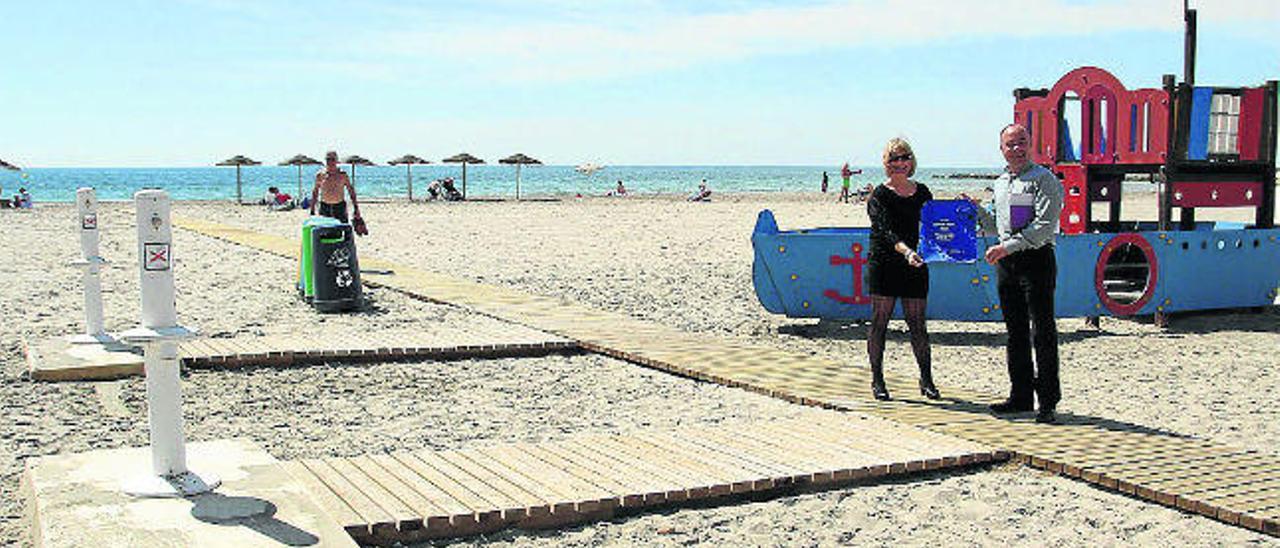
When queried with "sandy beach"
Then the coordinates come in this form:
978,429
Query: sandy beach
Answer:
657,258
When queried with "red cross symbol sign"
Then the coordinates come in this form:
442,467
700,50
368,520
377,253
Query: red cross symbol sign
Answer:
155,257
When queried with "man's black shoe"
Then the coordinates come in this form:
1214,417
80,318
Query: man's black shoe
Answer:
1010,406
1046,416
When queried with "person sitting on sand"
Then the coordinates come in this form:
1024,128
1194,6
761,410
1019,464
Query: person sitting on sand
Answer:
620,191
450,192
331,183
277,201
23,199
703,194
434,190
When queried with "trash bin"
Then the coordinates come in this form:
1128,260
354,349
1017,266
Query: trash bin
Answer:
306,270
335,269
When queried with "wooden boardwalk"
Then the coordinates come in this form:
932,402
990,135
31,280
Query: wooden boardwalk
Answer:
1237,486
56,360
431,494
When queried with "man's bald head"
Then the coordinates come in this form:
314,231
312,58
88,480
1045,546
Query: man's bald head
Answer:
1015,145
1011,128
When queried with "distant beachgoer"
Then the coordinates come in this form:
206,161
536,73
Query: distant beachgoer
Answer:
703,194
278,201
23,199
620,191
865,193
895,270
824,182
451,193
331,184
845,174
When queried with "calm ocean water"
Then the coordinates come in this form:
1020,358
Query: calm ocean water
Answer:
219,183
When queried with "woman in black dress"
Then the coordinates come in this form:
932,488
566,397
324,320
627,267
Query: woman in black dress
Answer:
896,271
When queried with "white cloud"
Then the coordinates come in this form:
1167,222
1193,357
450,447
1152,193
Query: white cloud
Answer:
572,44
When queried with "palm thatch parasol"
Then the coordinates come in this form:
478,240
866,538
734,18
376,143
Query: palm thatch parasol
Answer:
238,161
9,166
300,160
518,159
356,161
463,159
408,160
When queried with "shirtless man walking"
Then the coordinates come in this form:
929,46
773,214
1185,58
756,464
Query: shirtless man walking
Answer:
330,186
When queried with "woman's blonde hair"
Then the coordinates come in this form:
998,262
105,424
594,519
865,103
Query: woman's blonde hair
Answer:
898,145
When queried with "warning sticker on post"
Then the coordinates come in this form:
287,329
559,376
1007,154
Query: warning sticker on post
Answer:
948,232
155,257
89,221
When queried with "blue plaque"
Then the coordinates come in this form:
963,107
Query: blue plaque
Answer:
949,232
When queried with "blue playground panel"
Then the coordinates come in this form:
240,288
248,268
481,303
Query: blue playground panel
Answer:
821,273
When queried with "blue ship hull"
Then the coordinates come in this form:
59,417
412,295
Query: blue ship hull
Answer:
820,273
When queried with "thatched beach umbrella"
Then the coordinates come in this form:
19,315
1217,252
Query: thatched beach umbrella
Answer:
300,160
463,159
408,160
356,161
518,159
9,166
238,161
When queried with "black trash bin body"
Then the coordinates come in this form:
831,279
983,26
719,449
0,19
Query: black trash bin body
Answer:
337,271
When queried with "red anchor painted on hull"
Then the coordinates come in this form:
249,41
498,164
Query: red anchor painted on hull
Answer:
856,261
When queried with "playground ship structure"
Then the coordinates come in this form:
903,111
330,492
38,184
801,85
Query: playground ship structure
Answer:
1205,146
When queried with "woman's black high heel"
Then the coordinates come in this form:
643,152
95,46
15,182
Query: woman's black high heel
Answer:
928,390
879,390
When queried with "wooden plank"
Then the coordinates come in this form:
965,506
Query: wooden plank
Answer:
1167,462
875,445
373,515
567,493
1194,478
839,462
511,509
1169,466
427,513
691,484
834,456
1263,488
627,493
404,516
654,489
741,476
454,512
219,351
483,510
870,446
716,481
537,499
807,470
327,500
777,472
194,349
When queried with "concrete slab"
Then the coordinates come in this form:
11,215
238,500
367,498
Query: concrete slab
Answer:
59,359
77,500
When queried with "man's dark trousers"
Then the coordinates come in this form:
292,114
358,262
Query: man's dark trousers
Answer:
1026,281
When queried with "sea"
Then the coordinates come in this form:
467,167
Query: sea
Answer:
483,181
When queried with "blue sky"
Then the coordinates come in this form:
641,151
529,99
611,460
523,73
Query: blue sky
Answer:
190,82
